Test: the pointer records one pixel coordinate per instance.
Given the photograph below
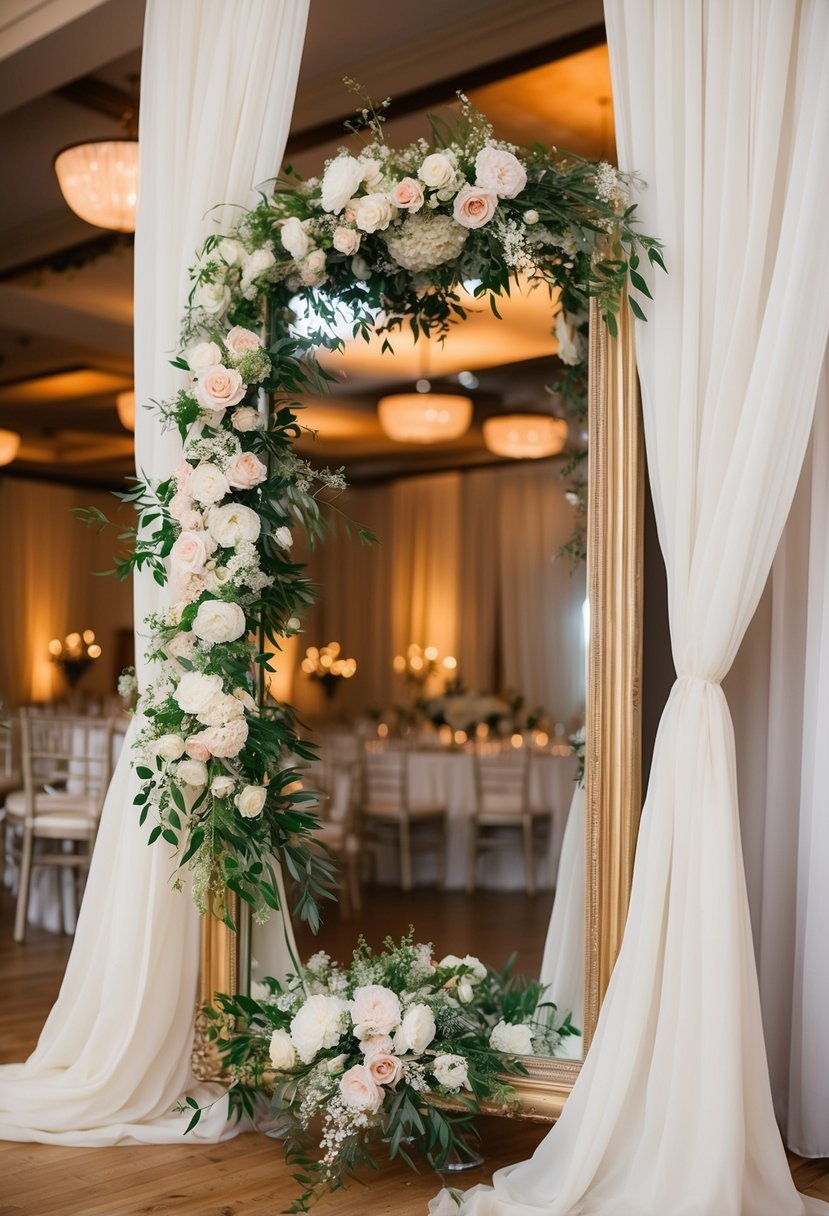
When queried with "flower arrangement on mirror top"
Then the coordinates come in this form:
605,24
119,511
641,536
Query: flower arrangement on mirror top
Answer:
395,1047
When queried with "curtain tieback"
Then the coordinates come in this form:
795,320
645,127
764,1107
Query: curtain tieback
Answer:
692,679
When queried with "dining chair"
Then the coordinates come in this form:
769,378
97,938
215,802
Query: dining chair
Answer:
502,803
388,815
66,764
337,782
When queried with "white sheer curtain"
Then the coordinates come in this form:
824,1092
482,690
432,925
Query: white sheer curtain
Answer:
218,83
724,109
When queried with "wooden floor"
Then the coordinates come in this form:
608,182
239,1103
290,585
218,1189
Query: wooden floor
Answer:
246,1176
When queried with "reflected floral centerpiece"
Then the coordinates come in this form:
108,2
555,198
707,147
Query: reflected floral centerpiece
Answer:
325,665
420,664
74,654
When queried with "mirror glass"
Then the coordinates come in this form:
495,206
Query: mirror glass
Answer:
442,671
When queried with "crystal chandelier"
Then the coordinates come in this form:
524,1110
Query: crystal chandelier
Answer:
525,436
100,181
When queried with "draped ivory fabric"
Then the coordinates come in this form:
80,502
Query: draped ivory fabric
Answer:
218,83
778,696
724,109
562,965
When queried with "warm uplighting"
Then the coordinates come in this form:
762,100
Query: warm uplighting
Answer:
325,665
424,417
516,740
125,404
100,182
525,436
9,446
74,654
419,663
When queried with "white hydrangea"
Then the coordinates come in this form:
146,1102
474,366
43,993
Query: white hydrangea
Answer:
425,240
513,1038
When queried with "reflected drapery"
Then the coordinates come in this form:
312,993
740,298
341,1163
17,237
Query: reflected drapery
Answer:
218,81
724,109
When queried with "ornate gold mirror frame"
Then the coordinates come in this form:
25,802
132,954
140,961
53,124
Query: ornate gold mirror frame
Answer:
613,753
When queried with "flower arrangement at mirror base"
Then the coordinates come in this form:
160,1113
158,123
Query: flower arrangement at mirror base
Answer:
396,1048
324,665
74,654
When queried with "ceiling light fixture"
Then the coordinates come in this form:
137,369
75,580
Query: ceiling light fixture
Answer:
9,446
125,404
99,181
525,436
424,417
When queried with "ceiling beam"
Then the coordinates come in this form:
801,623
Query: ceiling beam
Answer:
24,310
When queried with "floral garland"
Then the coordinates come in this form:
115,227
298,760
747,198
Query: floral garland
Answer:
384,238
396,1046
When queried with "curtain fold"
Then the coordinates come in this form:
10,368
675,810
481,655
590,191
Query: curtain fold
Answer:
218,83
724,109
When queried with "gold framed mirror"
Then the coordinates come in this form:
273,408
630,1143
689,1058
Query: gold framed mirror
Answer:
612,718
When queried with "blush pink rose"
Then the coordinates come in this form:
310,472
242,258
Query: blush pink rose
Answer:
246,470
385,1069
474,206
375,1010
183,472
196,748
245,418
359,1090
407,194
191,521
239,340
191,551
219,387
180,504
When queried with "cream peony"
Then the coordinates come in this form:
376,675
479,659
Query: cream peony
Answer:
284,537
318,1024
359,1090
385,1069
451,1071
218,621
219,387
346,241
513,1038
294,237
245,471
180,645
245,418
213,298
208,483
225,742
204,354
169,747
222,787
192,772
417,1029
372,212
500,171
240,340
255,265
375,1010
438,170
195,690
341,179
407,194
376,1042
250,801
474,206
220,710
190,551
282,1051
233,523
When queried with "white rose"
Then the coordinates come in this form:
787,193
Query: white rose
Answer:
245,418
337,1063
294,237
417,1030
213,298
438,170
375,1010
218,387
219,621
190,551
372,212
243,696
233,523
346,240
465,992
313,268
231,252
570,343
513,1038
169,747
240,340
450,1071
255,265
281,1051
205,354
195,690
208,483
500,171
476,967
359,1090
222,787
251,801
192,772
372,172
284,537
317,1024
340,180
